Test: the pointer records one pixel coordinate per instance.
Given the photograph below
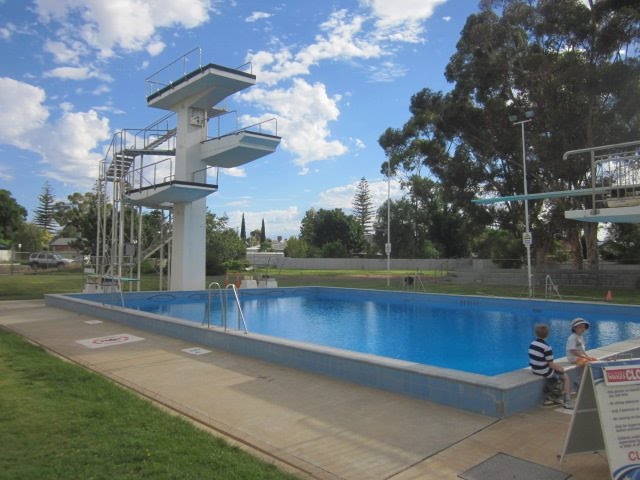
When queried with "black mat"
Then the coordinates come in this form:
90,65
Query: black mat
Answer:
506,467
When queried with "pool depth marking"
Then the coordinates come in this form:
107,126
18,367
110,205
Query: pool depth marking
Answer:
196,351
109,340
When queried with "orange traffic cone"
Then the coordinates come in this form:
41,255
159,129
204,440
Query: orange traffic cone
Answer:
609,296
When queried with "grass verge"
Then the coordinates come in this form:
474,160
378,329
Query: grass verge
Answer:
58,421
34,286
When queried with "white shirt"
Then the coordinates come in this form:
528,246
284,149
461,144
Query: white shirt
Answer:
575,342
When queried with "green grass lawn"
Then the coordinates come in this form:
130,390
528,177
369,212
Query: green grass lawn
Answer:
35,285
58,421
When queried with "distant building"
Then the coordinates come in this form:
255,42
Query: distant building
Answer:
63,245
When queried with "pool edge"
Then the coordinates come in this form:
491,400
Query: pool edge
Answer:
496,396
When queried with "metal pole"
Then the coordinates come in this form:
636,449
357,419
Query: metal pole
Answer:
388,245
526,210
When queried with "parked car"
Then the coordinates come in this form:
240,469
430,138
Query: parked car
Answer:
47,259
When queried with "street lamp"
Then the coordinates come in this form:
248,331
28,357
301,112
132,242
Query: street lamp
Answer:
526,237
387,246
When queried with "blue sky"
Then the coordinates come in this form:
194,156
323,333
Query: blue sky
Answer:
335,75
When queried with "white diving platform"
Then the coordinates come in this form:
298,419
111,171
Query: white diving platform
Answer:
164,195
202,88
615,215
237,148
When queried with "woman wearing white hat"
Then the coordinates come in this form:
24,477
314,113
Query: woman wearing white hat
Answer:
576,345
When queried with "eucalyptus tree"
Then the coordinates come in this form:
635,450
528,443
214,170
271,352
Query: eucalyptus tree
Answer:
423,224
12,216
322,227
573,65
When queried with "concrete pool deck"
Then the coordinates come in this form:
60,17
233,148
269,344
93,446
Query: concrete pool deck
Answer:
313,425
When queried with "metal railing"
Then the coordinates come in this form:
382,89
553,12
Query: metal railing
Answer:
550,287
149,175
178,69
223,306
172,72
615,173
264,127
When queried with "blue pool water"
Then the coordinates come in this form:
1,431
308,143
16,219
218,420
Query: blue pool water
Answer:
477,335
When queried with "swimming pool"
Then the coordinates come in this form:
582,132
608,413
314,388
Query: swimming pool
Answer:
445,331
467,352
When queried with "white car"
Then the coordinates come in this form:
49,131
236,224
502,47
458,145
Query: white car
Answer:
47,259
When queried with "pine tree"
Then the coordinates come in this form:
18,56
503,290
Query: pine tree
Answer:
263,235
243,230
45,211
362,206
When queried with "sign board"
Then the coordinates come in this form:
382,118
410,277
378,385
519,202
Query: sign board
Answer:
387,248
607,416
527,239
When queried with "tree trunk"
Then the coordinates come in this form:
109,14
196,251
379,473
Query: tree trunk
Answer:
576,250
591,237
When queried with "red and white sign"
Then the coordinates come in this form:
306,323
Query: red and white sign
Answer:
621,375
107,341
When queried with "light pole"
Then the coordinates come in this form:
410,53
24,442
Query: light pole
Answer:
526,237
387,246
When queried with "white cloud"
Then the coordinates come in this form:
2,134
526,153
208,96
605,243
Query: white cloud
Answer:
447,18
402,20
130,25
234,172
343,40
283,222
63,53
155,48
342,196
22,111
67,146
303,113
386,72
5,175
101,89
257,16
7,31
77,73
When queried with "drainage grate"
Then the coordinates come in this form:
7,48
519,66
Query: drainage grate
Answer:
506,467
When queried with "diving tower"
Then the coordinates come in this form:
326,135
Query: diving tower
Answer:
193,97
615,186
172,166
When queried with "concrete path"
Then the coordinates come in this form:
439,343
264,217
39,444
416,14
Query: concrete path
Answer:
312,425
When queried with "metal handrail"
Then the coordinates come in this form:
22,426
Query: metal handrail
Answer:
152,79
207,316
249,128
204,171
223,307
550,286
240,314
136,174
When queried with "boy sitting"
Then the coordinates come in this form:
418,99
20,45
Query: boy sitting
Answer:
541,362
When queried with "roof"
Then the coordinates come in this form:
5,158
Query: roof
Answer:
62,241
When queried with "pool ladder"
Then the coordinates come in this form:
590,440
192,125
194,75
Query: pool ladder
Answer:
223,306
549,288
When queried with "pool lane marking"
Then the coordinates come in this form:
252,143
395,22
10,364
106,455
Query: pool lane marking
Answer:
109,340
196,351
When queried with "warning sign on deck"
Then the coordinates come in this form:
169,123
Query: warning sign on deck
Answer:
109,340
